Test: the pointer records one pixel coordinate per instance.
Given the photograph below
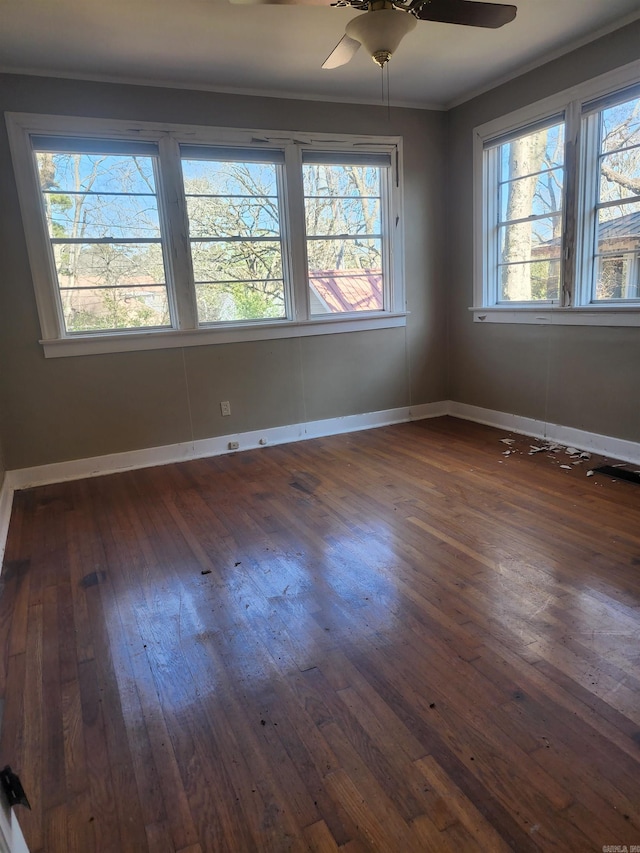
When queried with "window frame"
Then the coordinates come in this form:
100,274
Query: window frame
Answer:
575,306
172,203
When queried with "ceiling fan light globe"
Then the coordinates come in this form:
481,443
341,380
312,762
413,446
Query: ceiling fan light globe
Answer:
380,31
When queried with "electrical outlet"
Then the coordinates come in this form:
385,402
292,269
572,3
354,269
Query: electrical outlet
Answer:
225,408
234,445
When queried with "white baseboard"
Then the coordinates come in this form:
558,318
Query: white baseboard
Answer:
6,501
605,445
77,469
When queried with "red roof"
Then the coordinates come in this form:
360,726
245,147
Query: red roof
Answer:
348,290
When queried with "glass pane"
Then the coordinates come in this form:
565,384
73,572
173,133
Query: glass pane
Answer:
91,310
526,155
93,216
354,256
335,181
236,261
98,173
620,175
618,278
538,280
621,126
108,264
105,285
619,228
225,178
233,217
536,195
343,292
343,216
234,301
528,241
235,279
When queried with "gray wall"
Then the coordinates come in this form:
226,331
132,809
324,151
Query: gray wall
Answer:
67,408
583,377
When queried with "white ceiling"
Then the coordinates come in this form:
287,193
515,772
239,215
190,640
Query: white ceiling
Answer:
279,49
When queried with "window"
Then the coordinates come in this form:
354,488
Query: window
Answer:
612,155
142,237
344,207
558,210
527,215
233,207
101,210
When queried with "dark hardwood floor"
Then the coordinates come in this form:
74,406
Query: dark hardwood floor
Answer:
394,640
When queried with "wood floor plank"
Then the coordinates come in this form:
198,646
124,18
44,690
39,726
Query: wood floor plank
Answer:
387,641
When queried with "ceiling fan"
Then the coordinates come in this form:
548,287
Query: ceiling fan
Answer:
386,22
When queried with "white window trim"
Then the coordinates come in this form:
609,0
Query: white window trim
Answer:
56,343
577,267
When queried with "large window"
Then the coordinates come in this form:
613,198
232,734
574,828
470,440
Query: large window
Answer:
142,236
558,212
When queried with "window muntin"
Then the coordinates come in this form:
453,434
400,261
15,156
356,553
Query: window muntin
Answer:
528,215
617,220
102,216
233,209
344,224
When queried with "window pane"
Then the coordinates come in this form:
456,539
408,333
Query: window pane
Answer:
233,301
356,291
532,152
621,126
619,228
537,280
326,216
108,264
233,217
528,241
100,309
236,261
539,194
242,278
98,173
618,240
229,178
343,255
93,216
620,175
335,181
618,278
103,221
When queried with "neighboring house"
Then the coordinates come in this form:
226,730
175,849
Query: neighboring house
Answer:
619,241
338,291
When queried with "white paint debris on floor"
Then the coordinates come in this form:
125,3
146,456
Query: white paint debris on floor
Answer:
555,452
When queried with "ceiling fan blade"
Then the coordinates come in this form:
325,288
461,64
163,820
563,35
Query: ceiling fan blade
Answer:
466,12
342,53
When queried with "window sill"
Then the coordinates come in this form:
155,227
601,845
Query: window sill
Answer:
544,316
134,341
